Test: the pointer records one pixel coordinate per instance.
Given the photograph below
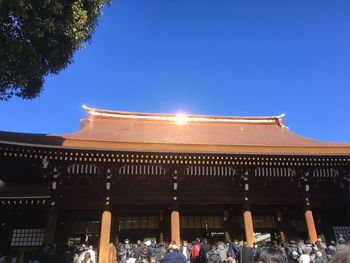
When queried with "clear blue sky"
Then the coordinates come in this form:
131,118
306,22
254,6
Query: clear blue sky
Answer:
216,57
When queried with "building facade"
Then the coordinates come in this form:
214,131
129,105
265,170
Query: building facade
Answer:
170,177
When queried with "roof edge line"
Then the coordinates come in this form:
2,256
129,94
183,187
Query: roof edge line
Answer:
73,147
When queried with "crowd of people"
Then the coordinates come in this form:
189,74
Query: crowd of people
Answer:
200,251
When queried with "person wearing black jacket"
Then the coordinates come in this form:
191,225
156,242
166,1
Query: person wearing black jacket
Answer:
174,255
204,251
247,254
137,251
158,253
145,252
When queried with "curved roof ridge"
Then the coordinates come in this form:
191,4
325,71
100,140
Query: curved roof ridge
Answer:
94,112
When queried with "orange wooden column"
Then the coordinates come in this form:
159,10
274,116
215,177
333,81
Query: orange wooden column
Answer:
311,229
175,227
104,236
175,215
248,225
247,215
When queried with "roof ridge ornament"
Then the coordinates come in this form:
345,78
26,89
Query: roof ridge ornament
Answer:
281,121
182,119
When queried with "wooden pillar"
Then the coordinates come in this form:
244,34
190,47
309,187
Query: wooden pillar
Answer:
347,205
247,215
280,225
249,229
175,227
106,221
161,237
6,226
311,229
105,236
310,224
161,226
284,225
175,215
226,225
53,210
51,224
61,233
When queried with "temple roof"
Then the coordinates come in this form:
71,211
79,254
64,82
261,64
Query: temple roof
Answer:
116,130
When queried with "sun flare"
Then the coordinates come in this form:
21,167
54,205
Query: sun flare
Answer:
181,119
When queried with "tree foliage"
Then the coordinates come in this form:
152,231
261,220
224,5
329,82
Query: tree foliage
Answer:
39,37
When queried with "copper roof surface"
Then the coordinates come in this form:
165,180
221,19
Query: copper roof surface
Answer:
161,132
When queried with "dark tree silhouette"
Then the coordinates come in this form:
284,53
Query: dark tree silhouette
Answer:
38,38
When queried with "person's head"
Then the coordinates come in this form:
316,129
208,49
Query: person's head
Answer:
342,255
305,250
184,243
87,256
173,248
272,255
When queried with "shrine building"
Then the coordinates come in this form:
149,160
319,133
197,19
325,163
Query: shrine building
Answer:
170,177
